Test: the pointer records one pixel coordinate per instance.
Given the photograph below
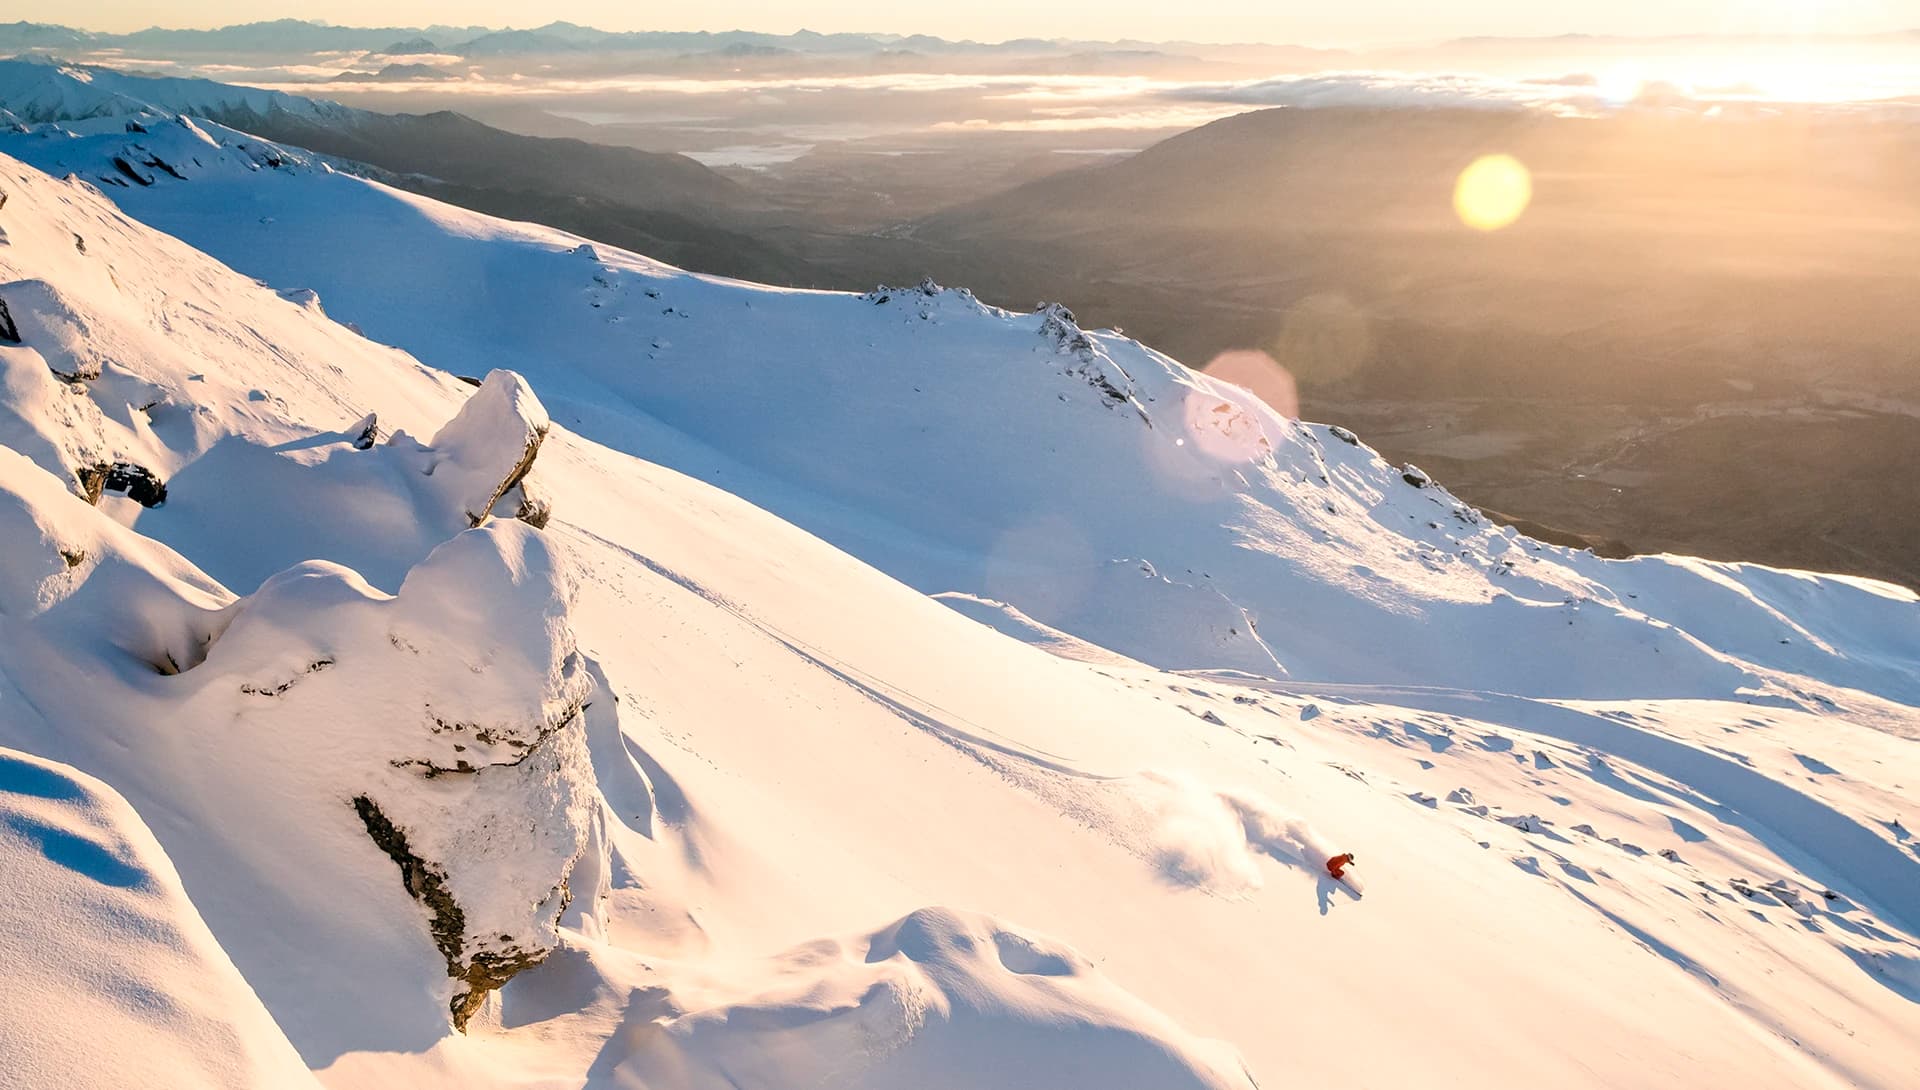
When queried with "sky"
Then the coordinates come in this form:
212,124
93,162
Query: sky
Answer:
1348,22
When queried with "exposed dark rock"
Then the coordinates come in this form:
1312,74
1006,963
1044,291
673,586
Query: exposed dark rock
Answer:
926,289
366,433
1415,476
1058,326
9,333
79,243
276,690
514,478
120,163
157,163
426,882
468,379
74,557
534,510
135,126
137,483
517,742
1344,435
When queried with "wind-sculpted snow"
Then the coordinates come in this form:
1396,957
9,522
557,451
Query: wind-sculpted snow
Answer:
501,805
938,1000
112,980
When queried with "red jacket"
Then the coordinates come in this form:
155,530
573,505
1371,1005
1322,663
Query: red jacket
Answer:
1337,866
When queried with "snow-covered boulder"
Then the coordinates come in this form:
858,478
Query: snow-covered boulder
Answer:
454,713
438,731
58,330
482,456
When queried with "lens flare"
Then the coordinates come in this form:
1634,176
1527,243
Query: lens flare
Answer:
1492,192
1253,370
1223,429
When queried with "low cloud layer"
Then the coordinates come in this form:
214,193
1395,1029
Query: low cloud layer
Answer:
1115,100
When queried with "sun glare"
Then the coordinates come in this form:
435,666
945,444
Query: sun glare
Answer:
1492,192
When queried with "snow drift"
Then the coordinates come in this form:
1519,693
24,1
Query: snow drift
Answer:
102,945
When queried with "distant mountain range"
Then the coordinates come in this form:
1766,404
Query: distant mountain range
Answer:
301,36
284,36
668,204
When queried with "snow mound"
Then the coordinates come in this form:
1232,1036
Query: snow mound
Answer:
938,1000
102,947
71,569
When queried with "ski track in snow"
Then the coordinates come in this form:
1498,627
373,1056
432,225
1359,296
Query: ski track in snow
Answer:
1830,846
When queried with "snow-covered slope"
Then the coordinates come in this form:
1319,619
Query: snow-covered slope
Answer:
739,809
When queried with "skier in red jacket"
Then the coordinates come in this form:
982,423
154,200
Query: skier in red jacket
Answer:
1337,866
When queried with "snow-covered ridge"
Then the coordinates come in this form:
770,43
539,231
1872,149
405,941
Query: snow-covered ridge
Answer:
1072,474
485,707
35,89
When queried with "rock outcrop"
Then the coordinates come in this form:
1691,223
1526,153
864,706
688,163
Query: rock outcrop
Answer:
136,482
1092,364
